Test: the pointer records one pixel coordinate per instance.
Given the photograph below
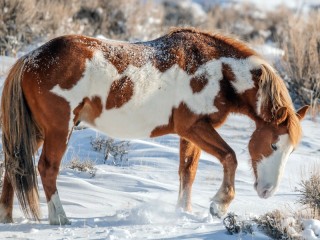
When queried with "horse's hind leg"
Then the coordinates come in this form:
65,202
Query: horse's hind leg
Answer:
55,144
6,201
7,195
189,158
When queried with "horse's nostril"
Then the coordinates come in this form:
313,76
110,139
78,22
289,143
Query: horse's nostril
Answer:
264,192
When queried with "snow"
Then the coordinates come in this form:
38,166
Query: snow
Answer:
5,64
137,200
273,4
311,229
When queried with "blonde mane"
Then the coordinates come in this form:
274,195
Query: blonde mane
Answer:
273,90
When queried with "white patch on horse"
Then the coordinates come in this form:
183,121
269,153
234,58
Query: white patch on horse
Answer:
96,79
155,93
270,169
241,69
56,214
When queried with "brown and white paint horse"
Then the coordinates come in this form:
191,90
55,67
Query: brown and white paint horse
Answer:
186,82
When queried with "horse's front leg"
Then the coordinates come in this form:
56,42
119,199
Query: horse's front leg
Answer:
208,139
189,158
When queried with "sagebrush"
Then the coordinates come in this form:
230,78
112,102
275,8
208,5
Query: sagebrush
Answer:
302,59
310,194
82,166
279,225
117,150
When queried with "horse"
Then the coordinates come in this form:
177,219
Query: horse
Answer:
186,82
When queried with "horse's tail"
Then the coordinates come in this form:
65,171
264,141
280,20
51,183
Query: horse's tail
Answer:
19,142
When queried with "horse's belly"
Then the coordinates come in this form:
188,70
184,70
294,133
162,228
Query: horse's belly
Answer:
132,121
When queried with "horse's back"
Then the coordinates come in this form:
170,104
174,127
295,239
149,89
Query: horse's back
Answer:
124,89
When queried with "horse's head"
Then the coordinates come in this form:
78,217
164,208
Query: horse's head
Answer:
270,146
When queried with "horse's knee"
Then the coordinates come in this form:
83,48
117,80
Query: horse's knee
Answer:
47,168
230,160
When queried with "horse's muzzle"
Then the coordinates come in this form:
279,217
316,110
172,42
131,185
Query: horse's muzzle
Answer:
265,191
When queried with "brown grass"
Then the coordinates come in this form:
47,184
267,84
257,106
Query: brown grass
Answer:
21,21
309,190
82,166
301,43
279,225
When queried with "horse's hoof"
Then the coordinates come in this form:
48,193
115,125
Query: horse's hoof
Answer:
217,210
6,219
61,220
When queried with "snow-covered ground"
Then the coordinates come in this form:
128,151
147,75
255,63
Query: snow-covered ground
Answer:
137,200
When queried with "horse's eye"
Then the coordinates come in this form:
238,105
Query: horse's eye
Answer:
274,147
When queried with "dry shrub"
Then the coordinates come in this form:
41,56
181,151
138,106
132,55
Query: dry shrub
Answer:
243,20
82,166
21,21
278,225
301,42
234,225
119,19
117,150
310,194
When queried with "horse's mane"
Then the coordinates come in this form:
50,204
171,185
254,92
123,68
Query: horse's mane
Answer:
273,89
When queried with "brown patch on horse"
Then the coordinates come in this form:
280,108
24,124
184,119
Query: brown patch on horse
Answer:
227,72
181,120
58,55
198,83
224,46
123,54
88,110
190,48
163,130
121,92
227,99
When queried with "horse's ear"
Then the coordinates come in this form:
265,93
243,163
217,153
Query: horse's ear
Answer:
301,113
281,115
